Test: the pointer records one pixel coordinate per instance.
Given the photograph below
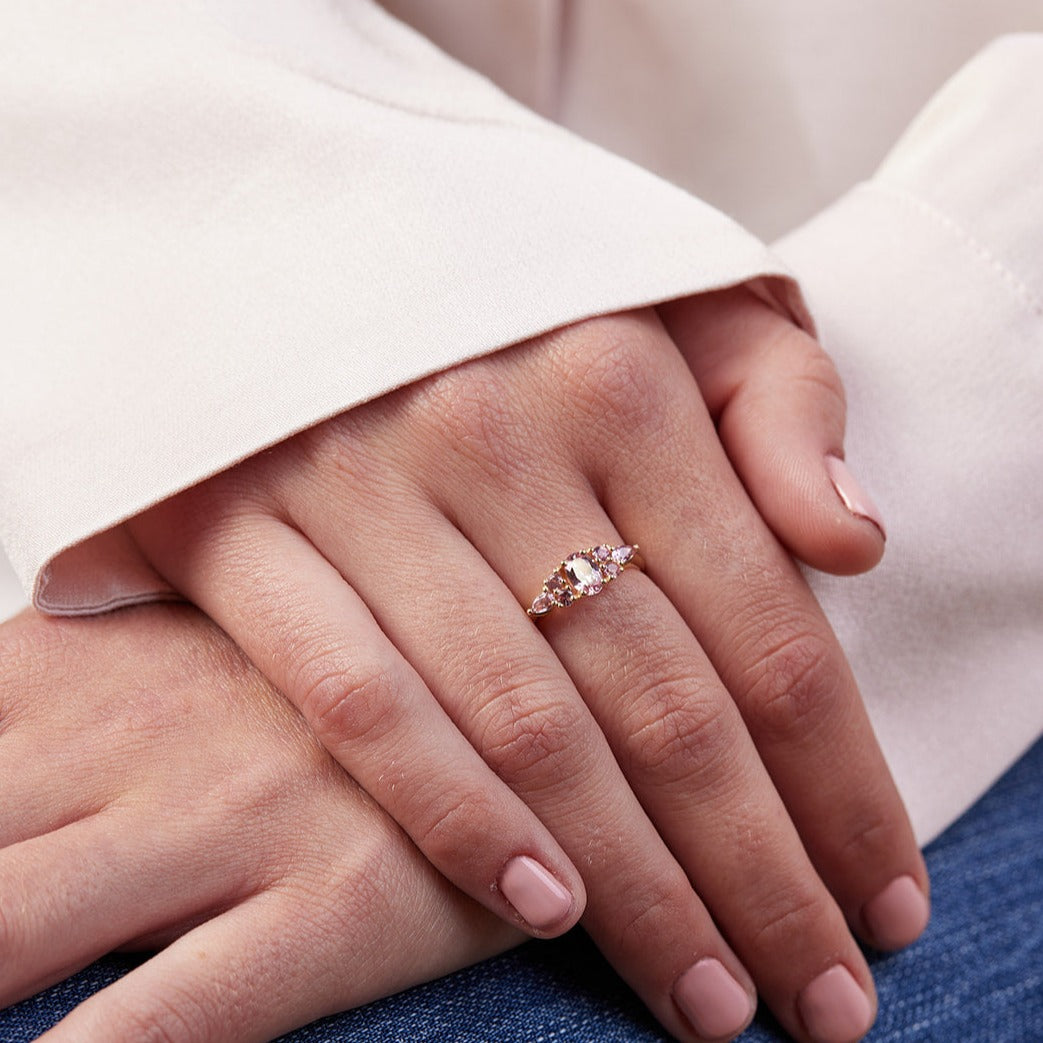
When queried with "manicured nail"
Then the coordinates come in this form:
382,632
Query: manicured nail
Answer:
897,916
855,498
834,1007
538,897
712,1000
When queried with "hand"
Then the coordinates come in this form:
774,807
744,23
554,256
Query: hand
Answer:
684,757
156,791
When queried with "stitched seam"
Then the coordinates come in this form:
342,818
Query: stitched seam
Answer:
1021,289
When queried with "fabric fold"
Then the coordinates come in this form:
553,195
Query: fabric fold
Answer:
231,221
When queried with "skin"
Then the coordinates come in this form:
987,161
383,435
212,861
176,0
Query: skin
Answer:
219,828
687,752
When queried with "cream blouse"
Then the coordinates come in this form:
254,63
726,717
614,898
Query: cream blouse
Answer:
226,220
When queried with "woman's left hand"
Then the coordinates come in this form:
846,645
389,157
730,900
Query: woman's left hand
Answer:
684,759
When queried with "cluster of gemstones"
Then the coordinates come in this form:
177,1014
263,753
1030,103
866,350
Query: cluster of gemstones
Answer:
582,574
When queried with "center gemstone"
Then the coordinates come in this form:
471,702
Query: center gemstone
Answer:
584,575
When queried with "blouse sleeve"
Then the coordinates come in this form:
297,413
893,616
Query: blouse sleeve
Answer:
227,221
927,286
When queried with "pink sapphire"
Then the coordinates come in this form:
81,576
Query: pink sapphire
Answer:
610,569
542,605
621,555
583,574
556,584
602,553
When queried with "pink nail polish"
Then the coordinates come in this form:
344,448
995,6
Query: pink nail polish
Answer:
712,1000
538,897
854,497
898,915
834,1007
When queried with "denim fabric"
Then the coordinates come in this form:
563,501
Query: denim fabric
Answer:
975,977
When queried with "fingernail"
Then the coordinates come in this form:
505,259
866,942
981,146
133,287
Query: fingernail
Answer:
834,1007
712,1000
897,916
855,498
538,897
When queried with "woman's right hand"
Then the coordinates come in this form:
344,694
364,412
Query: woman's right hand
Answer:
684,759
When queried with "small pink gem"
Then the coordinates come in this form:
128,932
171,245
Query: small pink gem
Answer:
602,553
542,605
621,555
564,598
556,584
610,569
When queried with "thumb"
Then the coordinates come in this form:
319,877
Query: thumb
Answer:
778,403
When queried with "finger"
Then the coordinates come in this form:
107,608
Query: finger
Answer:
314,638
690,761
779,407
209,985
747,605
39,800
36,799
70,896
696,771
285,958
512,699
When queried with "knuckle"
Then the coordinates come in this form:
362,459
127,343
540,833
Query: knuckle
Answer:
525,739
11,943
456,825
818,371
359,893
676,726
474,410
651,918
342,453
791,687
174,1017
782,918
211,519
35,656
263,782
612,382
683,738
802,358
872,835
816,382
346,703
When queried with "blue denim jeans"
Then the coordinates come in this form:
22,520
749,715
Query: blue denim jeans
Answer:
975,977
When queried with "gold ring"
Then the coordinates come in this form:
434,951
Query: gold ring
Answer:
582,575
